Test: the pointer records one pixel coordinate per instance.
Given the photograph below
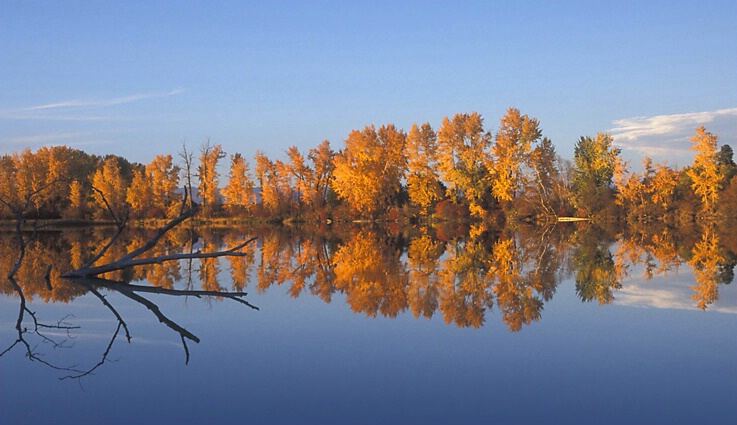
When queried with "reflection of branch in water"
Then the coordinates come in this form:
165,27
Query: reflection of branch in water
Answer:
131,291
31,352
85,277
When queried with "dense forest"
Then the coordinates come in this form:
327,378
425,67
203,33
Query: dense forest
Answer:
459,172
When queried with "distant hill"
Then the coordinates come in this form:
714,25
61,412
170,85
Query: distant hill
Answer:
197,198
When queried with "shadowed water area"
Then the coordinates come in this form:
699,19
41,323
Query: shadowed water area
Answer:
571,323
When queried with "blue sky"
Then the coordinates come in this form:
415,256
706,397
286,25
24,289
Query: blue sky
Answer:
140,78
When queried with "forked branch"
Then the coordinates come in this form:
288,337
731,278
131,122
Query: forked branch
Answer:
131,259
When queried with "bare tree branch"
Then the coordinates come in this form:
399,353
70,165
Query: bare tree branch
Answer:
31,352
85,276
102,361
124,263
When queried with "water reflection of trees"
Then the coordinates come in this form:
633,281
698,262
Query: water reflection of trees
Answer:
66,276
381,272
596,273
463,274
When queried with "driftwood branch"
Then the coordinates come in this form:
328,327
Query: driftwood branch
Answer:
132,292
125,262
131,258
86,276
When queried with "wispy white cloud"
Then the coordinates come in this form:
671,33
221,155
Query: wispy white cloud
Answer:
668,135
103,102
67,110
30,116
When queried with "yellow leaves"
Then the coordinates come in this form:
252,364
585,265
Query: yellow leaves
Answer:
463,158
664,185
423,183
78,194
705,173
369,170
322,160
152,190
370,276
239,190
109,181
208,176
140,194
511,151
302,175
164,178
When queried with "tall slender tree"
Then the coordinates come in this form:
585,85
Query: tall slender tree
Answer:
164,176
322,161
239,190
517,133
111,189
140,195
423,182
705,173
208,177
463,160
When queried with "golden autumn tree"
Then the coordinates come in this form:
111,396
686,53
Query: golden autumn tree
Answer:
369,170
43,178
704,173
239,190
423,182
140,195
287,186
57,162
463,160
164,177
322,163
30,178
267,176
111,188
512,146
302,176
664,183
648,194
8,189
79,195
631,190
208,177
393,142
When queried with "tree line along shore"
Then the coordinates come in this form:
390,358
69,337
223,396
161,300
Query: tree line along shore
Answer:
461,171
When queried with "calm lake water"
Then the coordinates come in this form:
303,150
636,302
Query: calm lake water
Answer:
533,326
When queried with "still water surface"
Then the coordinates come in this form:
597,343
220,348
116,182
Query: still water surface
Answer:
379,327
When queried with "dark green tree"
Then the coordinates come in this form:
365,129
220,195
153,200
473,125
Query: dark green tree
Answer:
594,163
